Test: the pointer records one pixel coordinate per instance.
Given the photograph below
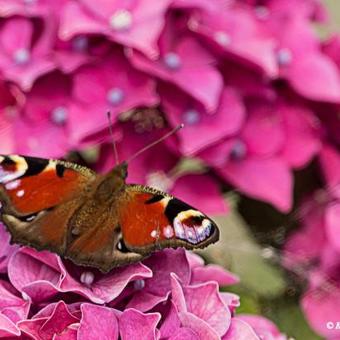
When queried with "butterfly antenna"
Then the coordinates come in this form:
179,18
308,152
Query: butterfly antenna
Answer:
114,145
170,133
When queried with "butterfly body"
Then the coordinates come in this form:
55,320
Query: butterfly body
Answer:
91,219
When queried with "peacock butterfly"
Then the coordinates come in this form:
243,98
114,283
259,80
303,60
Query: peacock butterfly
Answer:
92,219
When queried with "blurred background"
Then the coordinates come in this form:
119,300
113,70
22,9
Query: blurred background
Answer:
257,85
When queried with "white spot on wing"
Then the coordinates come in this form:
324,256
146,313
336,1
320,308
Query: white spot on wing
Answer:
168,232
13,185
20,193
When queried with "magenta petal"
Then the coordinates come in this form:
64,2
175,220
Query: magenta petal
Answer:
6,249
31,327
97,322
302,140
196,69
213,272
69,333
201,301
265,179
204,301
333,225
224,122
162,264
264,328
263,132
201,328
171,322
184,333
319,73
157,288
330,164
240,330
207,197
7,327
58,321
136,325
37,278
109,286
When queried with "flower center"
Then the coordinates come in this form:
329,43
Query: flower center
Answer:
139,284
238,151
262,12
22,56
284,56
172,61
191,117
121,20
222,38
59,115
115,96
80,44
87,278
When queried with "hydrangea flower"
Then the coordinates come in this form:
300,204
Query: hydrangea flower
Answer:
161,297
25,50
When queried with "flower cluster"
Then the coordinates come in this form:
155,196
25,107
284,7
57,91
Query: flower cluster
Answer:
257,90
171,295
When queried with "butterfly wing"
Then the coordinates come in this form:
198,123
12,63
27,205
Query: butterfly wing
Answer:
38,197
151,220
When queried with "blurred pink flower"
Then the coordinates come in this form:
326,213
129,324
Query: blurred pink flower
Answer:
237,33
31,8
320,263
133,24
109,85
224,122
184,62
310,72
170,295
276,138
45,117
25,49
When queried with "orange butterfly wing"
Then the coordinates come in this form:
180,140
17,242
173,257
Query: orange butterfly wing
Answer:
151,220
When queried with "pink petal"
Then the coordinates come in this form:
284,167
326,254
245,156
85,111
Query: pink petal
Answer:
7,327
213,272
269,180
263,132
171,322
226,121
109,286
302,136
136,325
201,328
136,90
207,81
157,288
59,320
201,301
38,278
240,330
16,34
237,32
319,73
184,333
97,322
6,249
329,159
264,328
333,225
206,196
